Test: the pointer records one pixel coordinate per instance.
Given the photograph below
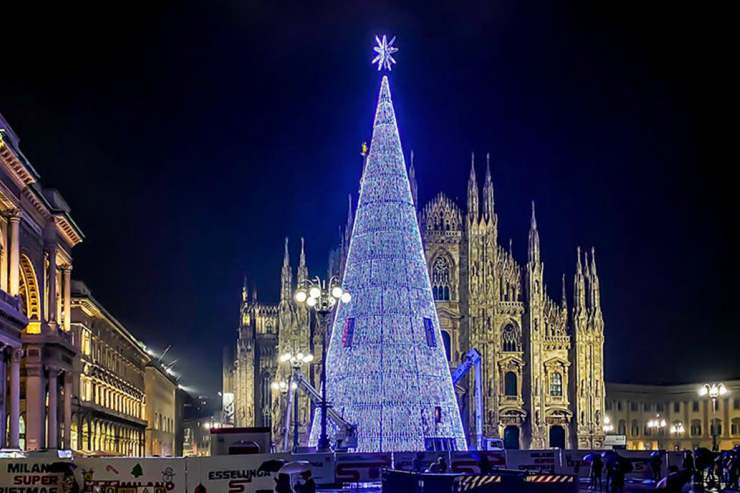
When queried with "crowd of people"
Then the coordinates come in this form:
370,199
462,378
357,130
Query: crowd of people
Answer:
699,468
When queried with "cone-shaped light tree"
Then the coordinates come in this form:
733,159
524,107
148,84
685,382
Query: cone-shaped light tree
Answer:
387,370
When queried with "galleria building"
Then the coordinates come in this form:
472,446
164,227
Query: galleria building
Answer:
542,359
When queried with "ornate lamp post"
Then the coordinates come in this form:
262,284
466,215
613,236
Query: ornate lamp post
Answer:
677,429
322,297
296,361
608,426
657,424
713,391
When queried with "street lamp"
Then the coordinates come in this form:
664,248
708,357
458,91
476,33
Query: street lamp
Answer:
608,426
677,429
322,297
296,360
657,424
713,391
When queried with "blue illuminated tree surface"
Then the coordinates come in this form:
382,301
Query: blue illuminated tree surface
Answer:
386,366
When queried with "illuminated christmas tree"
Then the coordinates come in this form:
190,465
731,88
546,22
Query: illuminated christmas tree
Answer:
387,370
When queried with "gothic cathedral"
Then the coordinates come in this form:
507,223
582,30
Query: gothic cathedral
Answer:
542,365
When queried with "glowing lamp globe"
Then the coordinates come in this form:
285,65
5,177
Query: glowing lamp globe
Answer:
314,292
308,358
346,297
311,301
300,296
337,292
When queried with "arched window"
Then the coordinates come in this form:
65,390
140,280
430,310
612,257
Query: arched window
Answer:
441,278
635,428
510,339
717,426
556,385
622,427
510,389
695,428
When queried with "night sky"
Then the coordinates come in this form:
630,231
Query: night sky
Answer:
189,139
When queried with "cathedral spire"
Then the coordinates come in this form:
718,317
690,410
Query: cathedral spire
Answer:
286,276
579,290
488,205
472,191
594,288
302,274
245,291
534,239
412,180
564,297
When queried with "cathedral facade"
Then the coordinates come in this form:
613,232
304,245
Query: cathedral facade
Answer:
542,362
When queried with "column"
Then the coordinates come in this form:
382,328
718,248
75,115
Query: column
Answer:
15,253
3,393
15,396
53,431
52,280
67,271
35,408
68,412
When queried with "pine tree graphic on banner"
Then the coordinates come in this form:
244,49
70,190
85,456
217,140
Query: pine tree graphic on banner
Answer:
387,370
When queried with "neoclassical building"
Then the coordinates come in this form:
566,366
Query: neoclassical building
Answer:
37,235
161,416
673,417
108,411
542,360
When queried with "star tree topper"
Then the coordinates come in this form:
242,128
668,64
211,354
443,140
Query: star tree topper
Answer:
384,50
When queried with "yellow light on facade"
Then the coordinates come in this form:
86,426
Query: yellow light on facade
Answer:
33,328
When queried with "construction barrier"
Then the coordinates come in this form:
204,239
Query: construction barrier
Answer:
248,473
533,460
550,483
361,468
104,475
478,483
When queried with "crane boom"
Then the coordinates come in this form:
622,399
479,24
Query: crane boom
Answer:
347,432
472,359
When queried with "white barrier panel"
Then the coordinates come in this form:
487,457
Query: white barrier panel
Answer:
232,473
533,460
571,462
361,468
640,461
322,466
28,475
132,475
469,462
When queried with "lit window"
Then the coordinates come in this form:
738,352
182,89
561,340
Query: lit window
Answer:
556,385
